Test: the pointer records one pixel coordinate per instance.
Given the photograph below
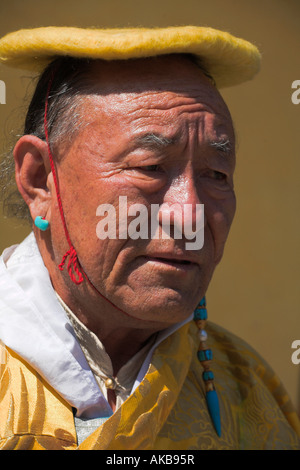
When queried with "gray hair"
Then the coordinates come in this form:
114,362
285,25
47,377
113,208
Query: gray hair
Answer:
70,83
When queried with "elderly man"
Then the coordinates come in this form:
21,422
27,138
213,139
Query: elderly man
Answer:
100,345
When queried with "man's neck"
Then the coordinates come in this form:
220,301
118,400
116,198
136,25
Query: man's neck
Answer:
121,344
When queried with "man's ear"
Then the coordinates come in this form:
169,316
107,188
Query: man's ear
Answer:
32,168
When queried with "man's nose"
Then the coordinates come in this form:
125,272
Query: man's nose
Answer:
182,207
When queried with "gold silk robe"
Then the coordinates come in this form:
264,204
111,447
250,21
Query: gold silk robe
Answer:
167,411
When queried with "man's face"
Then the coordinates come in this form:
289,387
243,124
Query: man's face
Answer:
158,133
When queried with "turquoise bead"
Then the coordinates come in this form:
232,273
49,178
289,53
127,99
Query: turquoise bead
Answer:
205,355
208,375
202,302
41,223
200,314
214,409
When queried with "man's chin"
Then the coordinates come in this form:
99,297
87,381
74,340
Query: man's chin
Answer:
165,309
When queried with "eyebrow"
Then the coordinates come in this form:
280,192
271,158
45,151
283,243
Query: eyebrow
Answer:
222,145
154,141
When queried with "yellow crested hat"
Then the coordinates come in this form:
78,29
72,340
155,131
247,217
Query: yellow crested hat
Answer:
229,60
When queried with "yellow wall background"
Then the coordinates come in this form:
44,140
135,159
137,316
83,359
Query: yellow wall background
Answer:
256,290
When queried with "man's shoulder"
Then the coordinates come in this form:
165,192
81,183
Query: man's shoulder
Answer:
238,363
230,343
230,350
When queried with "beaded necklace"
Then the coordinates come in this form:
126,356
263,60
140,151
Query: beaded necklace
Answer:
205,357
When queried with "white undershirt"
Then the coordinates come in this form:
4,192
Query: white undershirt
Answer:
100,362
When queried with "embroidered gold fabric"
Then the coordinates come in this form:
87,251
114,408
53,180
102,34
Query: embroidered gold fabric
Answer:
167,411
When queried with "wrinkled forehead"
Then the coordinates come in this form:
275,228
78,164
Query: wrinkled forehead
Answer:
151,81
174,72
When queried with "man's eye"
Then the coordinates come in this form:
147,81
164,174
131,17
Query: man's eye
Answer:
150,168
217,175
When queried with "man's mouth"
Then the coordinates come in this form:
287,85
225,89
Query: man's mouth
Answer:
172,262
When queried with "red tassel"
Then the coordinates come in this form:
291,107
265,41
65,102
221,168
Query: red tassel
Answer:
73,268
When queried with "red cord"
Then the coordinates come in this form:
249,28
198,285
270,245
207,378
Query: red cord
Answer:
75,270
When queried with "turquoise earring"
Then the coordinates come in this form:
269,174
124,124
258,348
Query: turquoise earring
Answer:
41,223
205,356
